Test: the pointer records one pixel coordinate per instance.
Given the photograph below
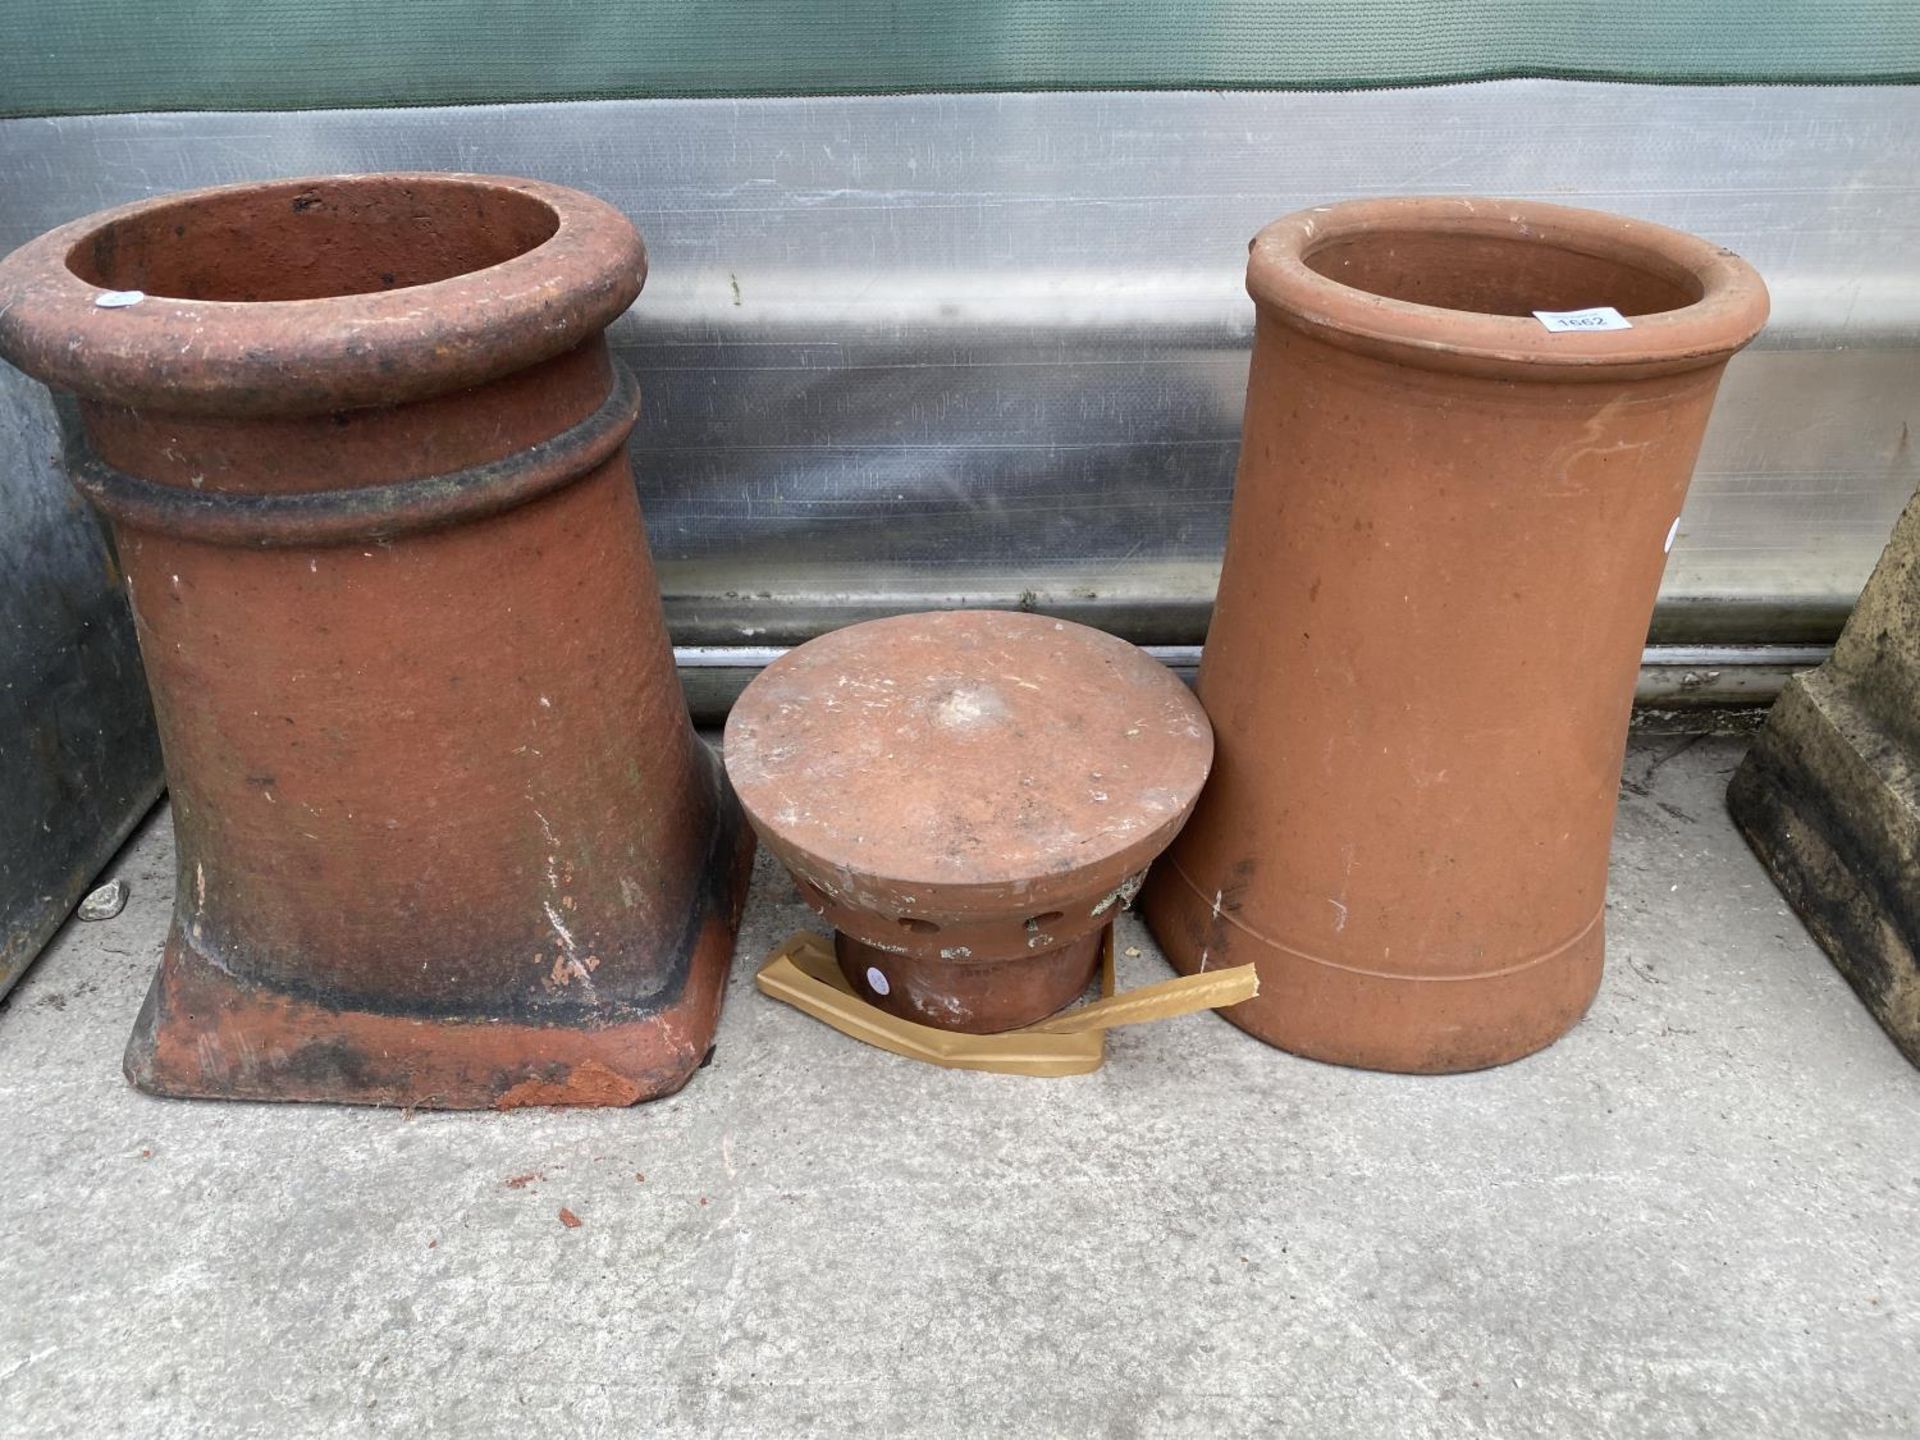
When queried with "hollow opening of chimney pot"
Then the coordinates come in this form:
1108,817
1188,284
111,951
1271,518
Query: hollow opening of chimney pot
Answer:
315,241
1512,275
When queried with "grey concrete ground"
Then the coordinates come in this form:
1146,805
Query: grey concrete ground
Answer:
1697,1215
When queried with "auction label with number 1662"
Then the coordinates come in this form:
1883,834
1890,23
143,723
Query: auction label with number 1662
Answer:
1601,317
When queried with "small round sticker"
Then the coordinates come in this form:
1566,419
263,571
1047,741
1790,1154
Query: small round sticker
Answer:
118,299
877,982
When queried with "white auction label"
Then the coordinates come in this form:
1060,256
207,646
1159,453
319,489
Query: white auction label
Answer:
1601,317
877,980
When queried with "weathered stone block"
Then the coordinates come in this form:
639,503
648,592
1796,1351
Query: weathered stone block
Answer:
1829,796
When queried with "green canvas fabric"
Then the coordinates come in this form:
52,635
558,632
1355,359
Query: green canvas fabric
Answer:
92,56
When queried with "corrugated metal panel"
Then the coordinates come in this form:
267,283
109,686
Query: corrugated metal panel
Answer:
935,349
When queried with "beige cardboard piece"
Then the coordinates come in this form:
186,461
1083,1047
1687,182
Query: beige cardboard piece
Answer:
804,974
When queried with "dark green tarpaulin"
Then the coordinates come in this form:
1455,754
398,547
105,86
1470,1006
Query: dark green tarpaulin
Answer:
89,56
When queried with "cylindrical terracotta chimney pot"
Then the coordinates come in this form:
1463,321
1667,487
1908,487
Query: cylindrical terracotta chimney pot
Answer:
969,798
446,836
1449,525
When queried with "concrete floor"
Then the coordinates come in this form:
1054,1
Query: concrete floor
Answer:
1697,1214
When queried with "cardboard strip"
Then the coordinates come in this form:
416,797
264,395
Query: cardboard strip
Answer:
1161,1000
803,973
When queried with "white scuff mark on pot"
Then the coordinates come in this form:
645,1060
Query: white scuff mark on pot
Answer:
947,1005
1207,949
1122,893
560,930
199,886
545,703
249,1061
1339,902
1588,441
957,952
566,970
966,707
569,965
208,1054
